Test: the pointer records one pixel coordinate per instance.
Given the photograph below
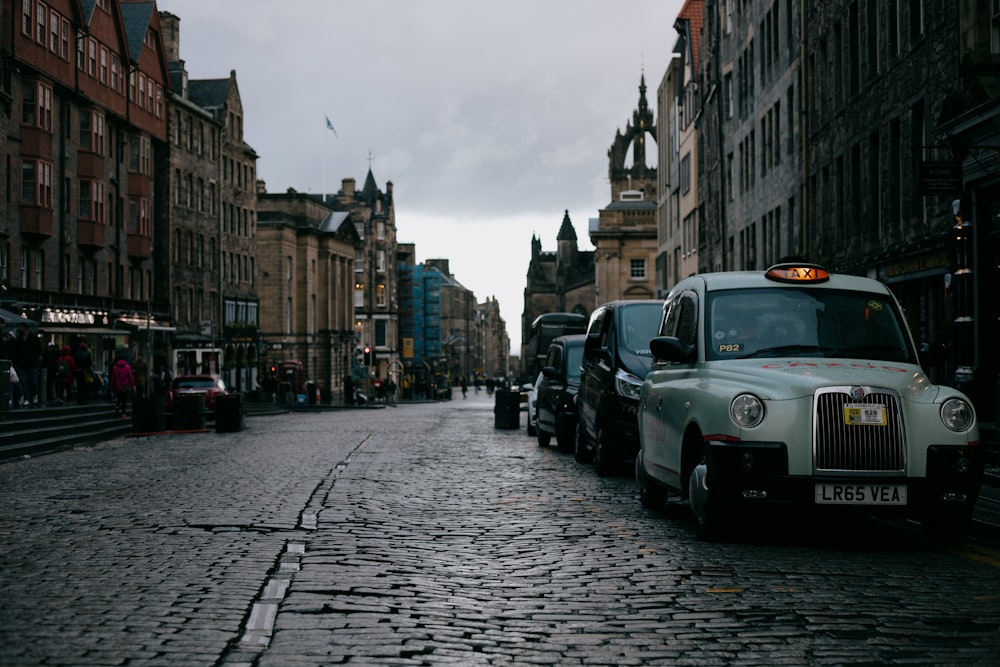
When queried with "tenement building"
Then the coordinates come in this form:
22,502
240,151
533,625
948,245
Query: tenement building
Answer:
211,237
843,132
85,87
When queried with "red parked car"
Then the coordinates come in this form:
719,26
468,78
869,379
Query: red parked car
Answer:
209,386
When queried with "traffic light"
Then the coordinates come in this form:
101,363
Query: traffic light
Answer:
369,360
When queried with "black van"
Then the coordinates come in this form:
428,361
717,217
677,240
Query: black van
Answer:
616,360
555,406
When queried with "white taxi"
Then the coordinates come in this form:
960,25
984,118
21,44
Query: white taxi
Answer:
798,388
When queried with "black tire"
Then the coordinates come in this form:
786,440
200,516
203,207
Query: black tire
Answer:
565,433
710,523
651,495
581,453
604,463
532,432
543,438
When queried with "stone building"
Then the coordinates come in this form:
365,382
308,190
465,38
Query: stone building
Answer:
306,259
376,307
458,324
211,238
678,204
86,83
560,281
625,236
828,131
493,341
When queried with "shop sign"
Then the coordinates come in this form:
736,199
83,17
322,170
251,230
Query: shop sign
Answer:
940,178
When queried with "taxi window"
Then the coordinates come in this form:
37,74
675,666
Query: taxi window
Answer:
776,322
574,360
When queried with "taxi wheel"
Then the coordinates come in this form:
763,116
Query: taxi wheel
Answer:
651,495
709,517
531,427
543,438
581,453
604,463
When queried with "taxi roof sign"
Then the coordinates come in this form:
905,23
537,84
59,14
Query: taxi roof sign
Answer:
798,273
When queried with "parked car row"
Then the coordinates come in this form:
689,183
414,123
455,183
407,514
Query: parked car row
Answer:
752,393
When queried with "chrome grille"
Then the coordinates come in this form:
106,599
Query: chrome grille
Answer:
838,447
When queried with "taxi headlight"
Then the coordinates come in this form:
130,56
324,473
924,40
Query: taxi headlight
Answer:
747,411
957,415
627,385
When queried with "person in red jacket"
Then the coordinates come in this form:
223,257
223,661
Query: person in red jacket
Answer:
122,383
64,374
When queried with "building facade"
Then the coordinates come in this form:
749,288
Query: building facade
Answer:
376,309
844,133
306,255
560,281
625,239
85,160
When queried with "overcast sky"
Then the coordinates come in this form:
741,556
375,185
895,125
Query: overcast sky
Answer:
490,118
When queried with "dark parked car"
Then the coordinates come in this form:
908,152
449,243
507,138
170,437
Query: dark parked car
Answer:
555,406
616,360
208,386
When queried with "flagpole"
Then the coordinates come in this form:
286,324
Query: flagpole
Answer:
324,163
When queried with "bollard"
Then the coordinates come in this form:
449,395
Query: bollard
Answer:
507,411
189,412
230,413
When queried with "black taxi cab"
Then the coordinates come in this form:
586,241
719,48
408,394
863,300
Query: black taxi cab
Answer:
798,388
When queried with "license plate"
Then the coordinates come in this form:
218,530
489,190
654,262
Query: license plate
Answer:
860,494
865,414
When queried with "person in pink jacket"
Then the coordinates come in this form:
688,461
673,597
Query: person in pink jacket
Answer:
121,383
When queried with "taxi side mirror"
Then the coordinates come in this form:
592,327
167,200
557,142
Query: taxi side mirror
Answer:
669,348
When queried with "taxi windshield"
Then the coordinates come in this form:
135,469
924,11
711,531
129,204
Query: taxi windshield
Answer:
804,322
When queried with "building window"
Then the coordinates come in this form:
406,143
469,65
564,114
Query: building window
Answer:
26,11
40,20
36,183
685,173
637,269
359,295
36,106
380,299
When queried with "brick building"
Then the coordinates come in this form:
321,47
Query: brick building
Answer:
85,86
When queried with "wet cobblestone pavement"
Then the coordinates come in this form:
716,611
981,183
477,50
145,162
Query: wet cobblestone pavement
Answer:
422,535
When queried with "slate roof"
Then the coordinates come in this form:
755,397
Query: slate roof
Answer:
136,17
208,93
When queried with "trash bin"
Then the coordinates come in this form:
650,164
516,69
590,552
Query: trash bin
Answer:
189,412
148,414
507,411
4,385
230,413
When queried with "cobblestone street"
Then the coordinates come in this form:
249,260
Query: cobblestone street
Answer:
422,535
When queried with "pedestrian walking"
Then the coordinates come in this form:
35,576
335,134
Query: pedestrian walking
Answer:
122,383
465,387
84,372
27,353
65,374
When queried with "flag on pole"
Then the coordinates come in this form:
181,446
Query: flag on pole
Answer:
329,126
